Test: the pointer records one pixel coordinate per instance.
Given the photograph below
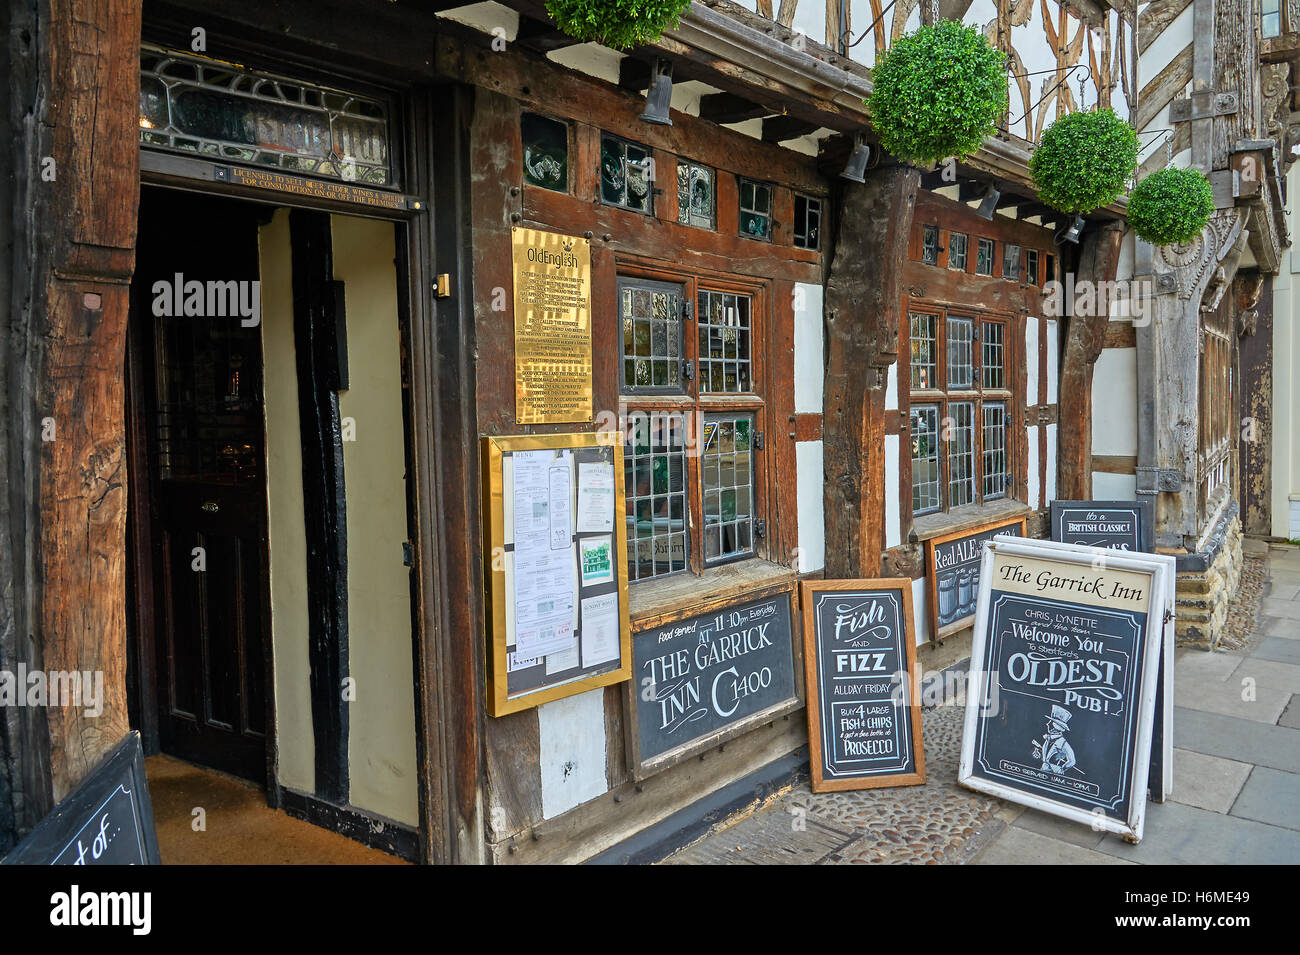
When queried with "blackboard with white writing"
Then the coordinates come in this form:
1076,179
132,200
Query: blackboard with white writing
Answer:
108,819
1120,525
698,681
1063,659
864,729
954,571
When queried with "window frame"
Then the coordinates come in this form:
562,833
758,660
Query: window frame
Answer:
809,202
649,210
741,181
698,405
941,396
690,220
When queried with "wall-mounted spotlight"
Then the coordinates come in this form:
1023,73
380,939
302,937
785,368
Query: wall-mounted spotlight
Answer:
989,204
659,96
1071,234
858,159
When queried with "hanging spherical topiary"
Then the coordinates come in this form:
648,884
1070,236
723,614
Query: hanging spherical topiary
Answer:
1171,205
938,92
1084,160
618,24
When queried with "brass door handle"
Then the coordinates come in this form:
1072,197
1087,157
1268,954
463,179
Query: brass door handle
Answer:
210,506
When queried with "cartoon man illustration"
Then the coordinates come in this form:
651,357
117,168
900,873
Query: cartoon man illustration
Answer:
1053,749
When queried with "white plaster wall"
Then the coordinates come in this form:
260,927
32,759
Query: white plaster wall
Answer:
1167,45
1285,502
921,611
893,531
1031,361
808,493
1053,360
891,388
486,17
808,349
1049,493
1031,454
590,58
572,751
1114,487
1114,402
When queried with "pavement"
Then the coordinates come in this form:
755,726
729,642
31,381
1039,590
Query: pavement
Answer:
1236,795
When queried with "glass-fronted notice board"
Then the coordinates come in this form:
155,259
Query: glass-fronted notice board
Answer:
555,567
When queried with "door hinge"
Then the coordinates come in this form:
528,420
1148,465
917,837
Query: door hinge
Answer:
760,528
688,370
758,441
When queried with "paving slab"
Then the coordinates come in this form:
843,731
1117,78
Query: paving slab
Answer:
1207,782
1278,649
771,837
1283,578
1287,609
1263,704
1054,827
1211,664
1279,676
1176,834
1278,627
1272,797
1017,846
1245,740
1280,591
1291,715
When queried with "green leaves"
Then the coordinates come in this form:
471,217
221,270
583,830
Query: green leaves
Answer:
938,92
619,24
1171,205
1084,160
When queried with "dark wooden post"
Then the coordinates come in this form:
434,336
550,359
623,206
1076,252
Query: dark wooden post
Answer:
1085,337
864,292
71,99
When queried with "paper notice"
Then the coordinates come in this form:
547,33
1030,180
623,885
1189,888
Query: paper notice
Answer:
515,662
595,497
596,555
560,513
566,659
600,629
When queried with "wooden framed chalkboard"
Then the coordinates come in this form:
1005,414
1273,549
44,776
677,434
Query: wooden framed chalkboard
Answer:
556,567
1063,672
952,565
108,819
864,717
703,679
1119,525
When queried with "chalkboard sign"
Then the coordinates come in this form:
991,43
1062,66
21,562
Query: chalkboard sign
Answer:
557,579
953,568
1119,525
1063,677
864,718
1128,526
698,681
108,819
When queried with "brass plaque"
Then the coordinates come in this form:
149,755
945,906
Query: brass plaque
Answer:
552,327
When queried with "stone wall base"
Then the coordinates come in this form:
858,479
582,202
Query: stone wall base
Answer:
1206,584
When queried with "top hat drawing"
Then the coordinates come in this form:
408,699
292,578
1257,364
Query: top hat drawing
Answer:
1060,718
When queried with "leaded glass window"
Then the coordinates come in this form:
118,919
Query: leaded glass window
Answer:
995,449
930,244
807,222
626,174
993,366
960,360
755,209
1010,261
546,152
727,487
226,113
651,316
924,348
925,458
957,251
961,453
1031,266
724,342
695,194
654,478
984,257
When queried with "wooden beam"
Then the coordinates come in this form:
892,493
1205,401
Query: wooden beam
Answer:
723,108
780,129
542,36
634,74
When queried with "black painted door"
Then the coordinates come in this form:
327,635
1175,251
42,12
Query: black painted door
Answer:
201,394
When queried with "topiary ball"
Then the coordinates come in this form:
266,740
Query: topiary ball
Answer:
1171,205
1084,160
938,92
618,24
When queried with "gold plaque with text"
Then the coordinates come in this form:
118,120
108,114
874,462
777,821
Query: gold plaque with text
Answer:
552,274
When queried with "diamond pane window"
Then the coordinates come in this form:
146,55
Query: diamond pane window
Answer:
961,453
695,195
626,174
957,251
995,449
807,222
724,342
924,348
930,244
993,367
546,152
960,359
755,209
925,458
226,113
654,477
651,318
727,487
984,257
